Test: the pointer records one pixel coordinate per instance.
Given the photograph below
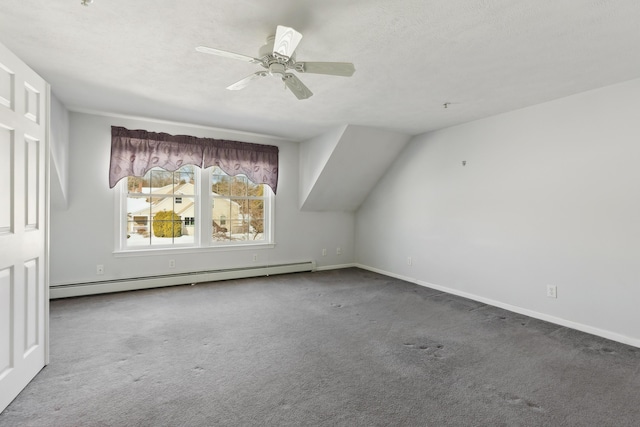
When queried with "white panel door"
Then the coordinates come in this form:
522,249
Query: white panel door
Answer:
24,301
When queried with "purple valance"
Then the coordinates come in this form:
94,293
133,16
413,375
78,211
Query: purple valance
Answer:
135,152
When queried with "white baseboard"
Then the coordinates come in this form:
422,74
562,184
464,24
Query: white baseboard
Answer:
536,315
335,267
130,284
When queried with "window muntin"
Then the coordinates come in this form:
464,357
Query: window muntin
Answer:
229,210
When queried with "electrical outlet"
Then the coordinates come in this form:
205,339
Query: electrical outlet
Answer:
172,263
409,261
99,269
324,252
255,257
552,291
338,251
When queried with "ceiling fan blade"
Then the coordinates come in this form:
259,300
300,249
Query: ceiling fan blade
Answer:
245,82
227,54
345,69
296,86
286,41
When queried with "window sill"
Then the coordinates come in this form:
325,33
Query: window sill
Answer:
190,250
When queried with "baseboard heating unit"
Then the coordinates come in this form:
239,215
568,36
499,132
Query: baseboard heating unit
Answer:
130,284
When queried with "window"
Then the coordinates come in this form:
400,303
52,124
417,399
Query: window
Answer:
193,208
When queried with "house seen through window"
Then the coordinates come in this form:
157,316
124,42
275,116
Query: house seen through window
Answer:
194,208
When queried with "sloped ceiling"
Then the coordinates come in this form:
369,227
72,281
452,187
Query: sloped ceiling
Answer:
340,168
411,57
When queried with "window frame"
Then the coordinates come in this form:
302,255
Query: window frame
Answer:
203,227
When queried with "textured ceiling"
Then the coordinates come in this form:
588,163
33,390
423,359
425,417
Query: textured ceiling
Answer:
411,56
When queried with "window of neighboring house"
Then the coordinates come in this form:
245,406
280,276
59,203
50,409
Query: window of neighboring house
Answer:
194,208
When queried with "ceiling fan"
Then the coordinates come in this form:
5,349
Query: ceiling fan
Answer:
278,56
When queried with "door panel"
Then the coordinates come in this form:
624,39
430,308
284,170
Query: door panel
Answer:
32,187
31,304
6,87
23,225
6,314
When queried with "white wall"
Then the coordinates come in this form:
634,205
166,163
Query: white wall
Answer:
550,195
82,235
59,145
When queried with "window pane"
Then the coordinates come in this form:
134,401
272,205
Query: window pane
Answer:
256,214
135,184
255,190
243,207
186,175
185,189
220,212
188,229
220,182
183,206
220,232
168,228
138,223
256,209
160,181
237,230
239,227
238,185
257,229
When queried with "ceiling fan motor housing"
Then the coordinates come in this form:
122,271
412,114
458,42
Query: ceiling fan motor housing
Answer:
274,62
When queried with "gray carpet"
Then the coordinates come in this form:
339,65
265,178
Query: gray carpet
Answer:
335,348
